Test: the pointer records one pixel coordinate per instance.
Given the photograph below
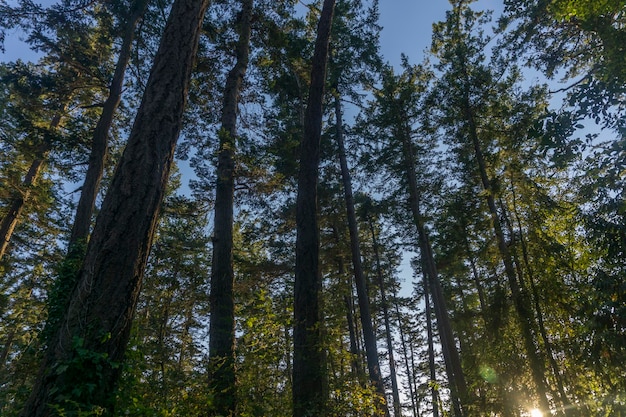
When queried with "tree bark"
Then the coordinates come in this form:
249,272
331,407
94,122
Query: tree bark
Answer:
222,377
371,348
309,368
82,363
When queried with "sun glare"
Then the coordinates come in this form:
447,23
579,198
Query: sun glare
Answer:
536,413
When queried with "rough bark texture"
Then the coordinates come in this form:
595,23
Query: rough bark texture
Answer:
99,140
222,379
371,348
82,361
309,368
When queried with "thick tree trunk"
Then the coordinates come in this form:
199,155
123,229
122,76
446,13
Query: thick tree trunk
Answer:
309,368
17,204
222,328
99,140
82,364
371,348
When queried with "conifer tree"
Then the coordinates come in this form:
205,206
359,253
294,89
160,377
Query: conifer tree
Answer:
82,363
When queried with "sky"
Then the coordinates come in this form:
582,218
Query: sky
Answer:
407,28
407,25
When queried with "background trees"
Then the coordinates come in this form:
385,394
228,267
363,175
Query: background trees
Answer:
509,193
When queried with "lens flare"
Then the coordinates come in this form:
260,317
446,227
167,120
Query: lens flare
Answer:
535,412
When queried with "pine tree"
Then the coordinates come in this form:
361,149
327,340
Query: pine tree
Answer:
82,364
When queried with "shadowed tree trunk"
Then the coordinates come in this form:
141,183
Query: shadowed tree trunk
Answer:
222,378
309,368
371,349
82,363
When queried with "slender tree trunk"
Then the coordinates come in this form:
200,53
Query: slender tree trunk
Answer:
568,409
222,327
431,349
397,411
520,301
452,361
83,361
99,140
371,348
409,370
355,361
17,204
309,367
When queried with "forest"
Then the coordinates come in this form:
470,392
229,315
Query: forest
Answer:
241,208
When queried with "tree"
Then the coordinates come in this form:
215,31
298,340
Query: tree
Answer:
222,329
82,364
308,362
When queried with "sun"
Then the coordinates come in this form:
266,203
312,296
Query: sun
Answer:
536,413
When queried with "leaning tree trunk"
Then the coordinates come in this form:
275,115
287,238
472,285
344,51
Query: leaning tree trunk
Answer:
456,377
369,336
309,369
567,406
520,299
21,197
405,354
222,328
395,392
82,364
99,140
434,392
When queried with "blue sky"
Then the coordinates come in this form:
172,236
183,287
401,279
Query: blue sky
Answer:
407,28
407,25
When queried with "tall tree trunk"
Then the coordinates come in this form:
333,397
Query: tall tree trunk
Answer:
409,370
81,366
568,409
397,411
21,197
309,367
222,327
99,140
371,348
456,378
431,350
520,300
355,361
